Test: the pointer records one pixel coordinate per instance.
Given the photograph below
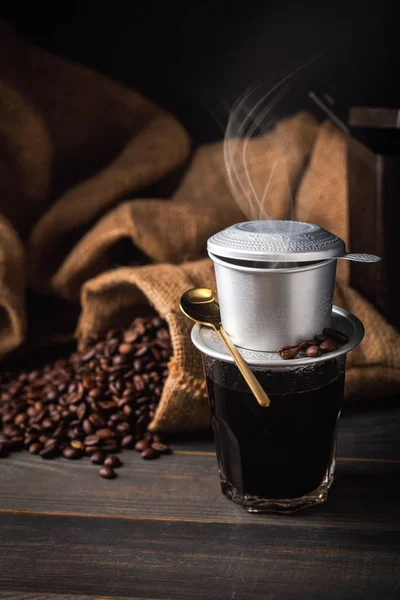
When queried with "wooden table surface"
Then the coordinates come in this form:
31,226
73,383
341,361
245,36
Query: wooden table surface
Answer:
163,529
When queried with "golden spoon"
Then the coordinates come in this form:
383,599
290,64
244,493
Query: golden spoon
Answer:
201,305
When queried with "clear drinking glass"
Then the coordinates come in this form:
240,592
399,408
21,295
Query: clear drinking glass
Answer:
280,458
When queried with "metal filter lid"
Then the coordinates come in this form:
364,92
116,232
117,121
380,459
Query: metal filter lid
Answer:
290,241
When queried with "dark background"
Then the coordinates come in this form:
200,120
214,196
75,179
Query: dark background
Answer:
197,59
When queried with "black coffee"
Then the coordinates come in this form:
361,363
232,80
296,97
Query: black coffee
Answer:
282,451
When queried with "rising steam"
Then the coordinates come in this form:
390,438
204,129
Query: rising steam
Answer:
258,164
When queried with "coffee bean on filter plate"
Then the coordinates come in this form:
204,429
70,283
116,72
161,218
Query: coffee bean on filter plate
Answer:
288,352
313,351
328,345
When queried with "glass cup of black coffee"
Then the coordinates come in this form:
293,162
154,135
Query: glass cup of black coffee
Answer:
280,458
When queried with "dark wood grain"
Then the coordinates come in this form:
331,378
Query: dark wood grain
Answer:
196,560
163,530
186,487
15,595
370,429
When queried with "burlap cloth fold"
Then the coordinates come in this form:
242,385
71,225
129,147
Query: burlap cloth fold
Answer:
76,151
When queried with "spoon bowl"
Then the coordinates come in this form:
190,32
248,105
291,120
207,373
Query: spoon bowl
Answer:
201,306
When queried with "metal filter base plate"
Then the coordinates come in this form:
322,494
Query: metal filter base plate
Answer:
210,343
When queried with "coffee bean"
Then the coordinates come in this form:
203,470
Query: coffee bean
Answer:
71,453
91,440
96,420
35,448
90,450
150,454
320,338
81,411
87,427
141,351
50,442
128,410
288,352
118,359
49,452
138,365
141,445
77,444
29,439
98,458
21,420
143,400
104,433
88,355
130,336
125,348
110,446
313,351
128,441
338,336
304,345
87,402
107,405
161,448
107,473
113,461
329,345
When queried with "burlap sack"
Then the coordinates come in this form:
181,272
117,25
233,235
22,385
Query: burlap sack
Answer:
178,230
114,298
72,144
12,309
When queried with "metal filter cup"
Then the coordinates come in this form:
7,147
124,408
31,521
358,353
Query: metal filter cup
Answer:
275,281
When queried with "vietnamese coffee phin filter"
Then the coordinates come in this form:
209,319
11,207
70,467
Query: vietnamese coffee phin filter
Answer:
275,281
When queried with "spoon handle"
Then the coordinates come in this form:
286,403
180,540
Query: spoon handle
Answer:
359,257
244,368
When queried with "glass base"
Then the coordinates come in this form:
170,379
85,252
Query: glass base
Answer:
256,504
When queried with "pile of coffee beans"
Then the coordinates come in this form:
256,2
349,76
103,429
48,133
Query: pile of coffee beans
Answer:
95,403
329,341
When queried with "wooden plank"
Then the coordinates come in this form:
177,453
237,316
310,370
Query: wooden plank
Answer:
370,429
14,595
186,487
196,560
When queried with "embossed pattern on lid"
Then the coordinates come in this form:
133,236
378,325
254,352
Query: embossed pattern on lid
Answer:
266,241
